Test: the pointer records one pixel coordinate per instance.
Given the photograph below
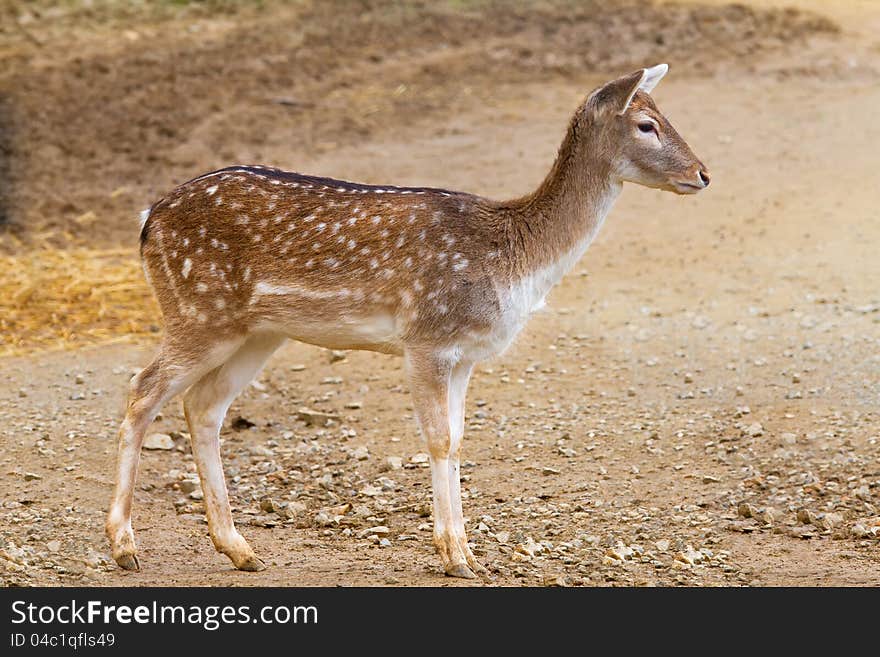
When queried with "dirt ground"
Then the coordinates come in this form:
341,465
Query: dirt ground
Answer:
699,404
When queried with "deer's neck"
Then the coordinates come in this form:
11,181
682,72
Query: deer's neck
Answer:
550,229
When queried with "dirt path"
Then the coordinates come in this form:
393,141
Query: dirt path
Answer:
709,359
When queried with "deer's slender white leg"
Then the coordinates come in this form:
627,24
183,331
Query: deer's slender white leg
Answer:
429,374
205,406
168,374
458,383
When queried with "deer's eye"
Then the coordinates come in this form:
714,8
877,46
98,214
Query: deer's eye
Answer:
646,127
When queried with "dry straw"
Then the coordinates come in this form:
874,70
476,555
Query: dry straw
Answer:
62,299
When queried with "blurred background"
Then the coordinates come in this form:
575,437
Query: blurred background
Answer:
725,345
105,104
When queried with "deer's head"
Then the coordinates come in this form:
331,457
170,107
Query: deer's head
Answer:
639,142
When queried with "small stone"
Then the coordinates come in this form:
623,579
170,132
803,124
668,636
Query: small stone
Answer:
806,517
765,516
53,546
742,526
754,430
379,530
337,356
805,533
189,485
158,441
619,552
858,530
32,476
384,542
315,418
340,509
297,368
268,505
709,479
662,545
394,462
789,438
79,378
747,510
689,556
863,493
295,508
555,580
361,453
832,519
354,405
324,519
419,458
94,559
688,377
547,471
529,547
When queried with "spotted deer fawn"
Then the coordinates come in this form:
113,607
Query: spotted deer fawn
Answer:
243,258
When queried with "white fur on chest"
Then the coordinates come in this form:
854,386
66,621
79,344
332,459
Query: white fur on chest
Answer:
519,299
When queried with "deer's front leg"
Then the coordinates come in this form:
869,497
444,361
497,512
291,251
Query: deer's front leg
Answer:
429,375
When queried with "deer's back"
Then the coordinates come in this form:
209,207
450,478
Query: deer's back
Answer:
327,261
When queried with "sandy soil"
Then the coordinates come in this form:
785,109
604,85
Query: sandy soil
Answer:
698,405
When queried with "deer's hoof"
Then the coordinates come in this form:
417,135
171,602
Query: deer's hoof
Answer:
128,562
478,568
459,570
251,564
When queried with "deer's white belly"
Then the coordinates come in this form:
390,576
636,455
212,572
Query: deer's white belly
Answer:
379,332
298,315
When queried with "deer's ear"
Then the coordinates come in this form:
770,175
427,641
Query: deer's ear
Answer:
615,96
652,77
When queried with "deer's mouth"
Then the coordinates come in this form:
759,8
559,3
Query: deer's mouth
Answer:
687,188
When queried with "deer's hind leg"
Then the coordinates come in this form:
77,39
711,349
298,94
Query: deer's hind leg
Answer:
205,406
172,370
459,378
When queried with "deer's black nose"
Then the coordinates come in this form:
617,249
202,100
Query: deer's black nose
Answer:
704,177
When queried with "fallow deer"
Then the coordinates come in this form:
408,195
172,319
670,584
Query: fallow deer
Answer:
245,257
